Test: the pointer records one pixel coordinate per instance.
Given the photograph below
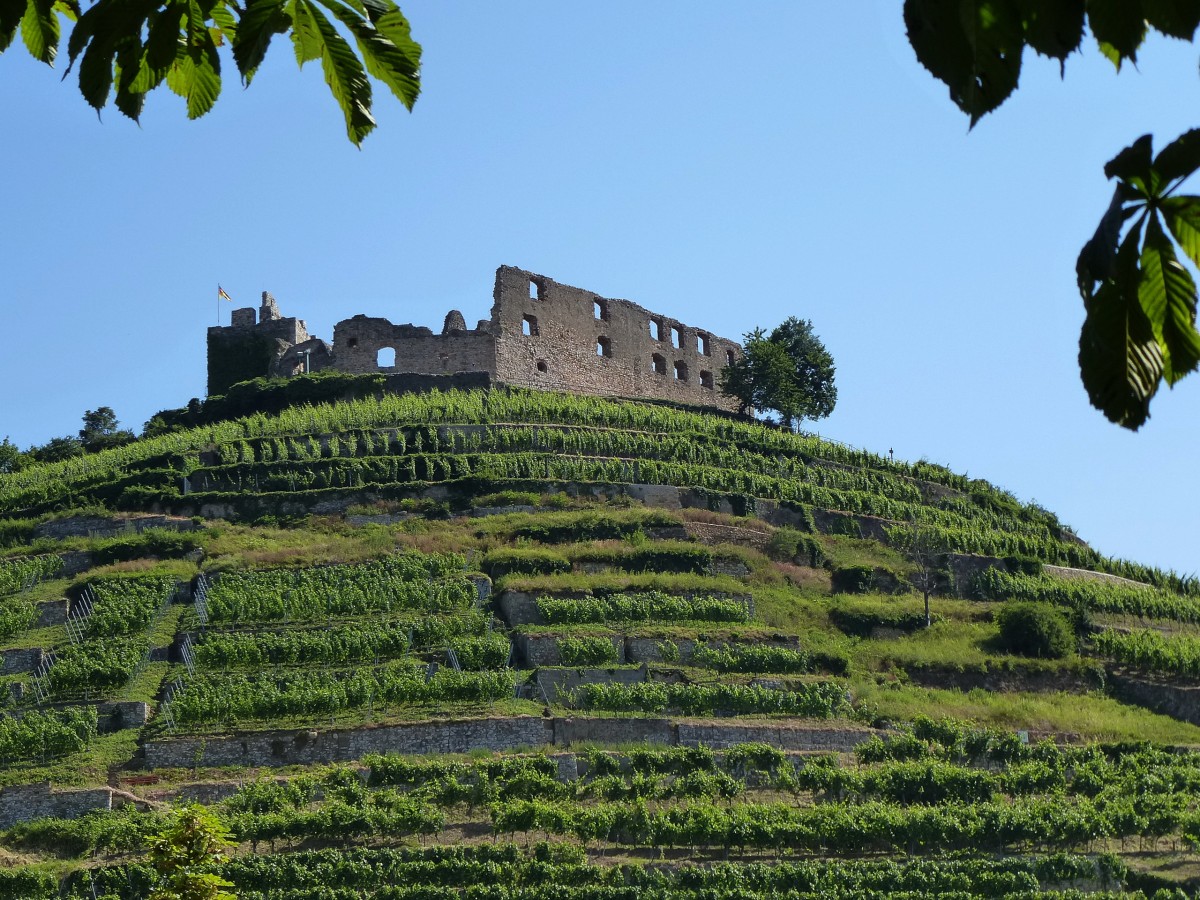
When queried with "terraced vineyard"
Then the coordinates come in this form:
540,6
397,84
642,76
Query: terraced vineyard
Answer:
511,644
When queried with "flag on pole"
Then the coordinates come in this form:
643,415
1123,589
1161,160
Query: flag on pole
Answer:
221,295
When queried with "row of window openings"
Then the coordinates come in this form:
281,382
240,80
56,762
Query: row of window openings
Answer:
658,329
529,328
658,365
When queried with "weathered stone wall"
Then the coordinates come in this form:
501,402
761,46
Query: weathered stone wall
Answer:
650,649
541,649
285,748
22,803
556,682
247,348
541,334
1031,679
52,612
1179,701
706,533
784,736
551,335
357,343
587,730
281,748
107,526
26,659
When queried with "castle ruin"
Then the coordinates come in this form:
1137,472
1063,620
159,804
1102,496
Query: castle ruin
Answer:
541,334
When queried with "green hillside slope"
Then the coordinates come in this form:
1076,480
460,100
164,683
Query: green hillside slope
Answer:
516,644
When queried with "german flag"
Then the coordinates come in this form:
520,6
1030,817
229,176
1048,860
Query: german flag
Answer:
221,295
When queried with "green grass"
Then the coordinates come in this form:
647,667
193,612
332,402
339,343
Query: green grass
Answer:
352,718
947,642
50,636
1090,716
88,767
146,685
850,551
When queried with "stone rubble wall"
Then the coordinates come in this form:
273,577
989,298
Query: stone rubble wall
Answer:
306,747
23,803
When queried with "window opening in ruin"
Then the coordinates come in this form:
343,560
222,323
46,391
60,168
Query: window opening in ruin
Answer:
352,343
386,358
703,345
603,346
656,329
706,380
535,290
658,363
600,308
676,338
729,360
681,371
541,366
529,326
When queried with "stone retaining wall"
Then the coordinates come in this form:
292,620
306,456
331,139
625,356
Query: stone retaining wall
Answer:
1007,680
106,526
721,736
52,612
26,659
706,533
280,748
1175,700
554,682
307,747
22,803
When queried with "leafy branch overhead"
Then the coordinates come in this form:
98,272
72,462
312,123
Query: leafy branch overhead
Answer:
1140,299
124,49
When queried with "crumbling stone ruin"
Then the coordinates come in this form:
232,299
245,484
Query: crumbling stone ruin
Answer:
541,334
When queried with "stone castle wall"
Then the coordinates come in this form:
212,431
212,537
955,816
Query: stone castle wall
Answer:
540,334
556,337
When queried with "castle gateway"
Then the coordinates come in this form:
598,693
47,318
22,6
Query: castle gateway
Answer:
541,334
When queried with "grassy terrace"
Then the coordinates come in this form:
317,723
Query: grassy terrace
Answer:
482,556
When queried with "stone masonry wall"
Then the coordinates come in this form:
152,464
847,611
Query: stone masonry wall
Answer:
282,748
358,341
540,334
550,336
38,801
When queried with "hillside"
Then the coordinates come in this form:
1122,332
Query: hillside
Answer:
504,644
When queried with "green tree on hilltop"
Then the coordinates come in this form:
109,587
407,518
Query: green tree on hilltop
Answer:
100,430
788,371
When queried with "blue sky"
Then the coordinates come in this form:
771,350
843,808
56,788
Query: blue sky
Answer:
728,164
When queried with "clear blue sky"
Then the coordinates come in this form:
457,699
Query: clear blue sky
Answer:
729,164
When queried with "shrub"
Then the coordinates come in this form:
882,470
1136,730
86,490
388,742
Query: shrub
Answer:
152,542
853,579
1022,565
499,563
1035,629
791,545
861,622
671,556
